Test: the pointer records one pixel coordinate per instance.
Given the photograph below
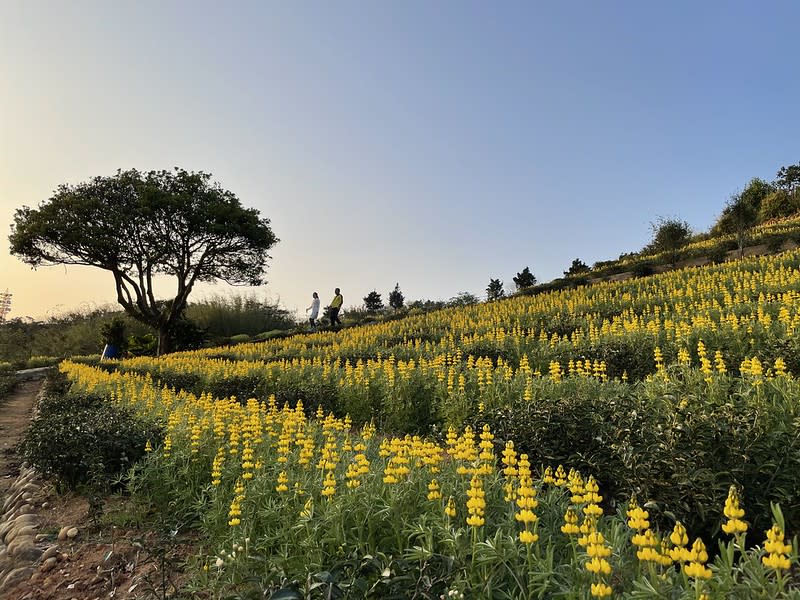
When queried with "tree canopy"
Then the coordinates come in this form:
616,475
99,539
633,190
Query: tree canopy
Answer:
373,301
577,267
463,299
525,279
138,226
742,211
396,298
494,291
788,178
669,236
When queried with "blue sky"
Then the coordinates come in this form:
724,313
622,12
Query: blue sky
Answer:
430,144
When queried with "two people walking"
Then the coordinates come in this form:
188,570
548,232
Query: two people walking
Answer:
335,306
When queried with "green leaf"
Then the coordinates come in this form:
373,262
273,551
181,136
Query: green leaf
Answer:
286,594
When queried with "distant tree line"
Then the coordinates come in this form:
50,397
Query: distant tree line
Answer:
208,322
758,203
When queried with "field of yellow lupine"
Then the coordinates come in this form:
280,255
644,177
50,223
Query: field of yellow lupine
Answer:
561,445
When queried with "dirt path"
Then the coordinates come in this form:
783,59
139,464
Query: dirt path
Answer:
100,561
15,416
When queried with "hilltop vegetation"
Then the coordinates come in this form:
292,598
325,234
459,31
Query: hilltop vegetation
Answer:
674,389
569,441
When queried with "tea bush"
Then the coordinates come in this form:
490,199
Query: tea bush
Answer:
8,379
680,443
83,439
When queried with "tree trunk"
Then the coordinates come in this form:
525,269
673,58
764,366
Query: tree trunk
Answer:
163,341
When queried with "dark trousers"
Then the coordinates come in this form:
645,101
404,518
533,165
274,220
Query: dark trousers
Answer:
335,317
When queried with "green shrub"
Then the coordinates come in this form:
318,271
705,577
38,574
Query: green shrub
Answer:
83,439
8,381
222,316
272,334
35,362
142,345
774,243
643,269
718,254
240,338
682,443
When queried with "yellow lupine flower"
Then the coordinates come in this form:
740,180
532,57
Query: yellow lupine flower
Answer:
570,526
734,513
450,509
598,566
329,485
528,537
476,503
637,516
777,550
600,590
434,493
696,567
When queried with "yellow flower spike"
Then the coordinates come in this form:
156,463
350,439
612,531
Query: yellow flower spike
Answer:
780,368
450,509
434,492
570,526
528,537
560,476
777,550
329,485
678,537
696,568
598,566
476,503
547,477
734,512
637,516
601,590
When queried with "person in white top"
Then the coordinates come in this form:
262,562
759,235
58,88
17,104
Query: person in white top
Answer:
314,308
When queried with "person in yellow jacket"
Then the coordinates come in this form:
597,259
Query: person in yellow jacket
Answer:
336,304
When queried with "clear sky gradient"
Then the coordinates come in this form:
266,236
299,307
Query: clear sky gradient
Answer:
434,144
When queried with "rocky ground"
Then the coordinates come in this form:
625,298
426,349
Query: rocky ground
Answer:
62,546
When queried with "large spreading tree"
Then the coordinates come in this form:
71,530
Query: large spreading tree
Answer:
139,226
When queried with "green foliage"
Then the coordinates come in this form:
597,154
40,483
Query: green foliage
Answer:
61,335
742,211
83,439
396,297
8,379
525,279
142,345
463,299
494,291
35,362
429,305
137,225
577,267
373,301
669,236
788,178
113,333
718,254
681,444
778,205
224,316
643,269
185,334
